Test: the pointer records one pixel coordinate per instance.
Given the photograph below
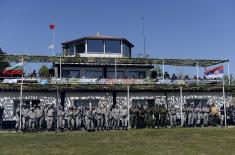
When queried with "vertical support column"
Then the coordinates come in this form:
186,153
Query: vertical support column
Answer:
21,94
85,45
225,113
60,68
163,70
181,106
57,108
74,49
197,72
229,80
115,68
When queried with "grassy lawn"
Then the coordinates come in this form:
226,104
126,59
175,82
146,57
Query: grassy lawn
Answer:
145,141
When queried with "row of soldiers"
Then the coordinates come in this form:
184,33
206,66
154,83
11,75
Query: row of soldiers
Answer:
104,117
161,116
74,118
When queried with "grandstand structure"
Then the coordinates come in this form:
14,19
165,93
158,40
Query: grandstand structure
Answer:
99,69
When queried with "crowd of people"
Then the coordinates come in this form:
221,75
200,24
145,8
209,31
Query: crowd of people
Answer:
103,117
74,118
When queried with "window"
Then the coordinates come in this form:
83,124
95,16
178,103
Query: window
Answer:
80,47
93,74
95,46
71,73
126,50
71,50
137,74
120,74
112,46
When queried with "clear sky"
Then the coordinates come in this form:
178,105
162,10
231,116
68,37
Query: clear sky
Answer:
202,29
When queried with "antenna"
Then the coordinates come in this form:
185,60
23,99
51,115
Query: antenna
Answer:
143,35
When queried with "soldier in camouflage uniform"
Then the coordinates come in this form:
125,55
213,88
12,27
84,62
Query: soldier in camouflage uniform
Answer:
70,118
107,117
157,116
116,117
142,113
163,114
150,118
198,113
172,115
78,116
90,119
32,118
101,117
61,118
185,115
190,116
25,118
205,113
132,116
39,117
124,117
50,115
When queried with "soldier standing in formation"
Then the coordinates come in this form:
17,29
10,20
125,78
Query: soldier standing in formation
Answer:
61,118
116,117
50,116
172,114
70,118
124,117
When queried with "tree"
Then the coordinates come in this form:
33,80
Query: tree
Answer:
3,65
43,71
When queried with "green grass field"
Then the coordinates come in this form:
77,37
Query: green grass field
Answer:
144,141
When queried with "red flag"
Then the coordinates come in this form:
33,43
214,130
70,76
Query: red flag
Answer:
52,26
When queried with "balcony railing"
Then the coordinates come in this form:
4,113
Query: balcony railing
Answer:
81,81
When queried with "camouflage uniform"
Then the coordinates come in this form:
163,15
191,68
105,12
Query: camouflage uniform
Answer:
124,117
116,117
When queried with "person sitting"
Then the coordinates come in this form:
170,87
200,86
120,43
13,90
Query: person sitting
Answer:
174,77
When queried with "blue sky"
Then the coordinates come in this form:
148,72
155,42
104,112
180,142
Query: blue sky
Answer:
202,29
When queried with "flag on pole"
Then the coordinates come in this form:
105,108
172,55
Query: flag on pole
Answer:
16,69
52,26
217,72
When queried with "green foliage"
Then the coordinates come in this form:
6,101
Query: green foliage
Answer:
43,71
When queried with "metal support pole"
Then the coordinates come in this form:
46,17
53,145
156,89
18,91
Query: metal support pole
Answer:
181,106
197,72
21,94
115,68
60,69
229,80
225,112
57,108
163,70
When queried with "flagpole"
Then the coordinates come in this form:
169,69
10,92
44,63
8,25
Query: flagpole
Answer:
225,112
53,40
229,75
21,94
